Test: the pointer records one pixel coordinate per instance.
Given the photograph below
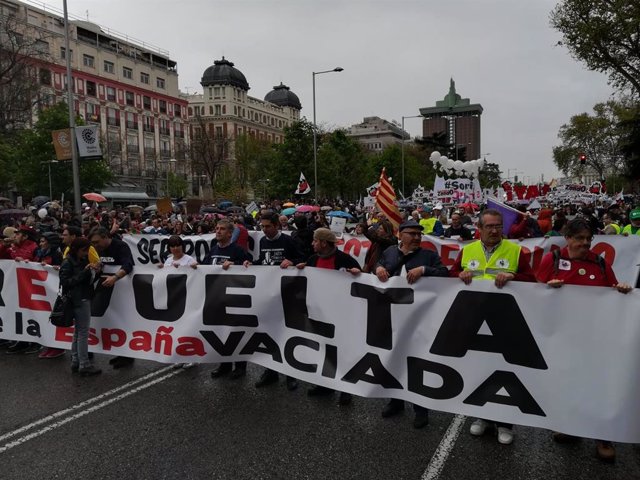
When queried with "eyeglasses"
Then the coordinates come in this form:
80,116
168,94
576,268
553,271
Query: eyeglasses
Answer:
493,227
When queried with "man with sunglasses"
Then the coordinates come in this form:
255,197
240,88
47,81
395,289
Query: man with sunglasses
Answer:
492,258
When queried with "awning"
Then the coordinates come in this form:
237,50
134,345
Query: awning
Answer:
126,195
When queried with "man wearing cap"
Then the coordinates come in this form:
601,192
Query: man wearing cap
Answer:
634,227
328,256
430,224
498,260
23,247
417,262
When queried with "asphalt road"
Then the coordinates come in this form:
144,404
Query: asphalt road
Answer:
152,422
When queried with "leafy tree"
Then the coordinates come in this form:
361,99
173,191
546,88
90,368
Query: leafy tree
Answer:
251,157
596,136
31,154
604,35
341,166
292,156
489,176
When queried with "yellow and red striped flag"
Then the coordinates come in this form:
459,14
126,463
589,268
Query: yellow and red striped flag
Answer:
386,200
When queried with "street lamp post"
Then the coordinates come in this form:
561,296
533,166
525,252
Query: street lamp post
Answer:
402,147
50,183
315,140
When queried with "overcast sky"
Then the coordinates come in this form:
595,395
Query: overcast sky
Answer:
397,55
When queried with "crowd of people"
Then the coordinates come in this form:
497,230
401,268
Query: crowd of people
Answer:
81,247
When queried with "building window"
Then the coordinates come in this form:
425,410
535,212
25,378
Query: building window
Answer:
109,67
129,98
63,53
132,122
210,109
41,46
45,76
111,94
218,131
146,102
190,110
163,106
218,110
144,78
160,82
88,61
112,117
91,88
127,73
176,110
216,92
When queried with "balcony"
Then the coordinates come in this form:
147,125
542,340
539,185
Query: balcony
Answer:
114,122
132,125
133,149
149,151
148,128
165,131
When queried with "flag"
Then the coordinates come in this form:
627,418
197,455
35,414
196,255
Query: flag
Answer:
509,215
303,186
386,200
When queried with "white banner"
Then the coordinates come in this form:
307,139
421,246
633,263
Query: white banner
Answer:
560,359
88,139
622,252
457,190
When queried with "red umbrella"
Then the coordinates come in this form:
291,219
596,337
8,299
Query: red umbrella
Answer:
94,197
469,205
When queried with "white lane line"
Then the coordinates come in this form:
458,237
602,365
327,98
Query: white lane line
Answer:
89,410
83,404
434,469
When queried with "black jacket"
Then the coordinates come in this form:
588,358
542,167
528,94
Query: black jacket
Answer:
343,260
76,279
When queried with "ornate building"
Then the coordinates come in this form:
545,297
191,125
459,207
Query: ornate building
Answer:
126,86
224,110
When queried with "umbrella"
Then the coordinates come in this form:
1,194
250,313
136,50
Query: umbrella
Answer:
151,208
14,212
210,209
225,204
307,208
5,199
94,197
289,211
39,200
325,208
289,204
134,207
340,214
235,209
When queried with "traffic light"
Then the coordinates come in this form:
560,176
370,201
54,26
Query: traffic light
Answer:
583,159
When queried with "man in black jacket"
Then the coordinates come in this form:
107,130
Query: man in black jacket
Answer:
276,248
417,262
328,256
112,251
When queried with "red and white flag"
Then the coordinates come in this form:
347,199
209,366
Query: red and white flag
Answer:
303,186
386,200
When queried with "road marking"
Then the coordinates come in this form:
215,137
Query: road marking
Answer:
84,404
89,410
434,469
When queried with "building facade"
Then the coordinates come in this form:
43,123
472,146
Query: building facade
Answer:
457,121
375,134
225,111
127,87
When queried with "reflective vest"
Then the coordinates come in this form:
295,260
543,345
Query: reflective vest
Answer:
615,226
504,259
427,224
629,229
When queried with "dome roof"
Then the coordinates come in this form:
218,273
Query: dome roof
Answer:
282,96
222,72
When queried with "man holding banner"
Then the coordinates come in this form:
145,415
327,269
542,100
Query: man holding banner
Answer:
411,260
492,258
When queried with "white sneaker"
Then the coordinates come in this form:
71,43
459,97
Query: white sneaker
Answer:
478,427
505,435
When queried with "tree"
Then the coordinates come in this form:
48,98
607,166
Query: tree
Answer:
251,157
32,151
605,35
341,166
489,176
22,48
209,152
596,136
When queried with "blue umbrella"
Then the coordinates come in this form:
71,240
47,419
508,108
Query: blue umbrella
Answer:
225,204
289,211
340,214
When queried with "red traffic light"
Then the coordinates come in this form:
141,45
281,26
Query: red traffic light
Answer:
583,159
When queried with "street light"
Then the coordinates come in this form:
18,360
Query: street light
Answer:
315,140
169,162
402,147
